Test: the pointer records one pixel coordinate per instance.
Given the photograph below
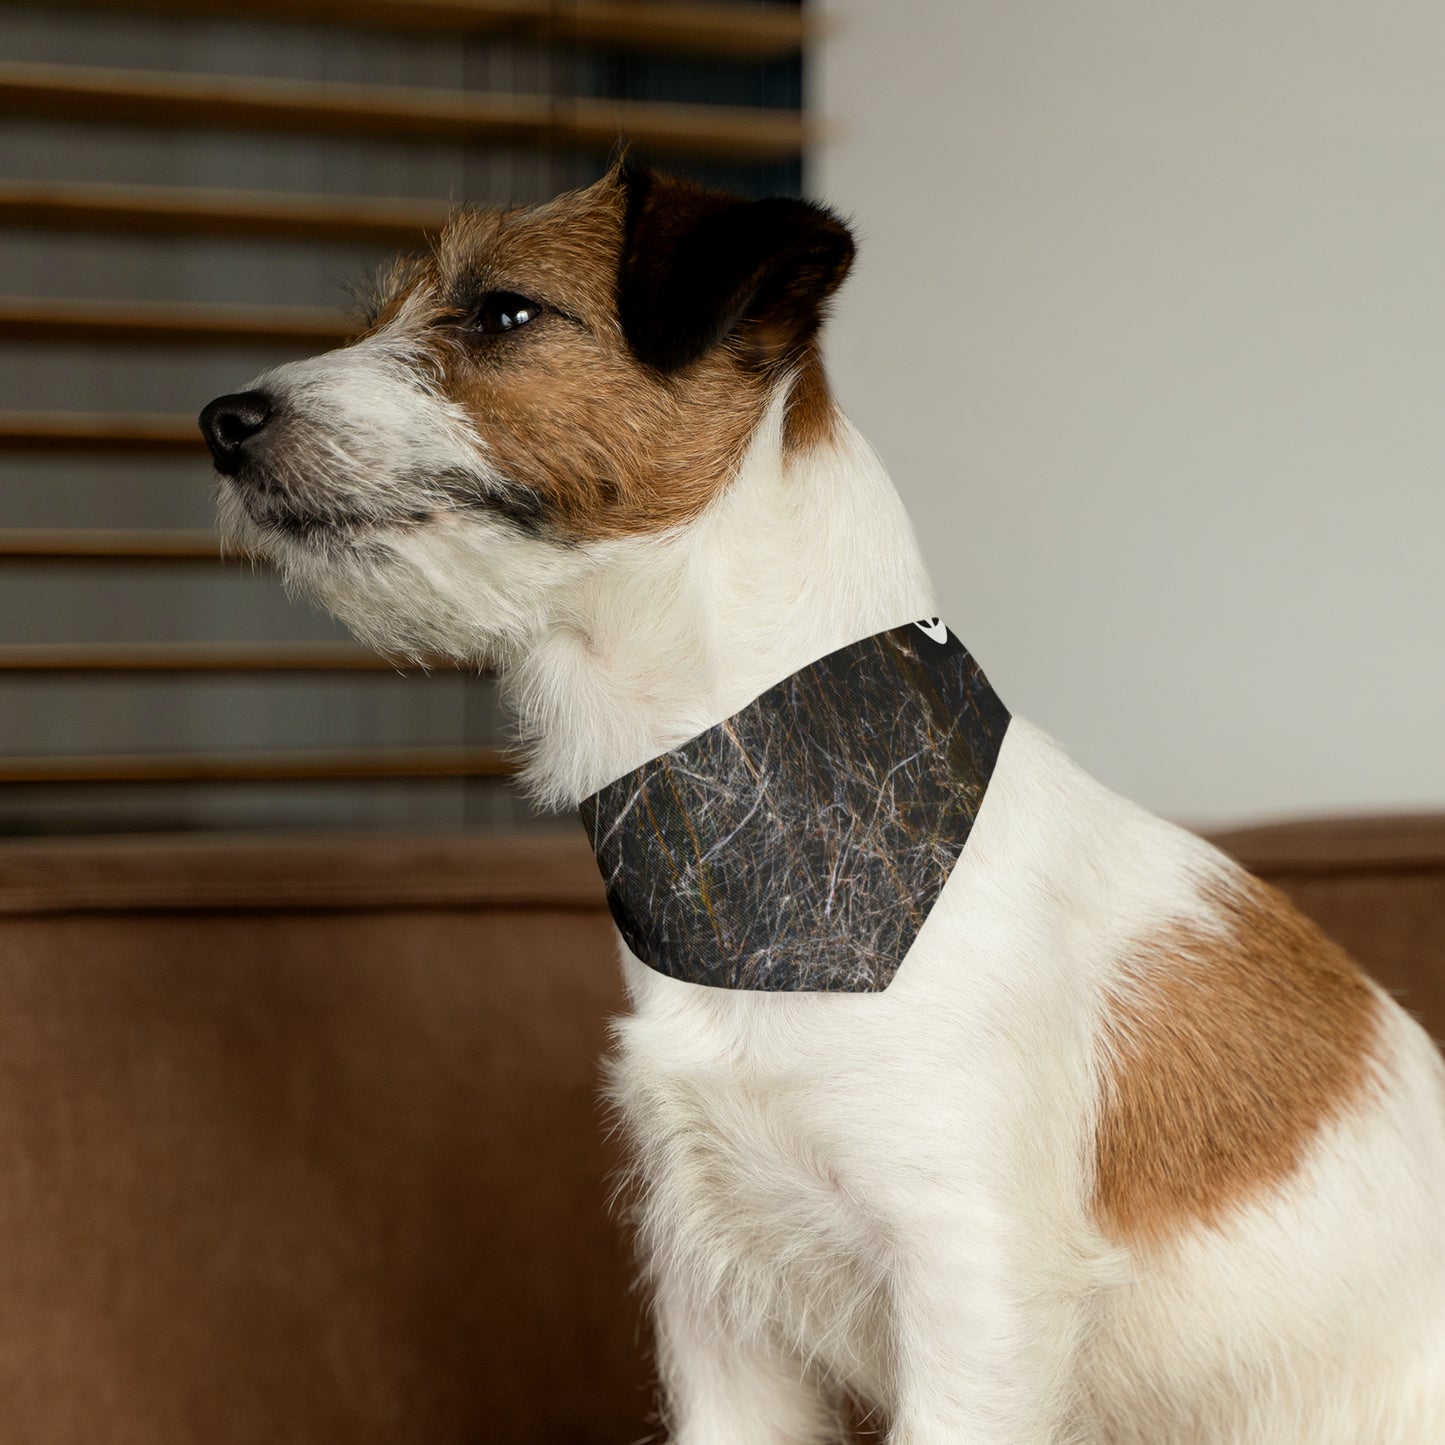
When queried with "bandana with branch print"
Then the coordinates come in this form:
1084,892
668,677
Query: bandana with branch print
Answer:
800,844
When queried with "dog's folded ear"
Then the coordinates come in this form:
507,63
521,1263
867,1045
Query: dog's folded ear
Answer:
700,266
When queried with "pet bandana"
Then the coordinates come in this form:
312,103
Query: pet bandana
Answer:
800,844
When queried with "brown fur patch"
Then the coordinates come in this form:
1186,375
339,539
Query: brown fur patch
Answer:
812,417
609,447
605,445
1226,1053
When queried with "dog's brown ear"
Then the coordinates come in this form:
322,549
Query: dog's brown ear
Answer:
699,266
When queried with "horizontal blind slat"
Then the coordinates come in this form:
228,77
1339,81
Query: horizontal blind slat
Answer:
218,102
171,323
85,431
179,210
230,657
96,544
712,28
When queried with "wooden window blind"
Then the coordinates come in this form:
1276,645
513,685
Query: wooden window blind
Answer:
185,188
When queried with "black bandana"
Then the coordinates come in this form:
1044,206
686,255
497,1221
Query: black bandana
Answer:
800,844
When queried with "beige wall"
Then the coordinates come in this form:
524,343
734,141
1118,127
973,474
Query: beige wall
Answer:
1149,323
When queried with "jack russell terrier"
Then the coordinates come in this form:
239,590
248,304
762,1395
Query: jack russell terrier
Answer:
956,1085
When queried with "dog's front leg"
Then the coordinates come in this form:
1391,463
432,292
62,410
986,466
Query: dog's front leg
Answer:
984,1350
723,1388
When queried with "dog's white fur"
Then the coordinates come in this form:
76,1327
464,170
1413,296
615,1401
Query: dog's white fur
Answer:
892,1193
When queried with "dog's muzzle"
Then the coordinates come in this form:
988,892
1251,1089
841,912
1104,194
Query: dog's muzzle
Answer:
230,422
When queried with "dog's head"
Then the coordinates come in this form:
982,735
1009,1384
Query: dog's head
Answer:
547,383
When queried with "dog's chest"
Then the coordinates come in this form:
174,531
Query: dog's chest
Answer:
745,1183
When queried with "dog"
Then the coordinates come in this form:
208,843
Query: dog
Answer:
1125,1152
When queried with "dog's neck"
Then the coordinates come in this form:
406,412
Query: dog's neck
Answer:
803,554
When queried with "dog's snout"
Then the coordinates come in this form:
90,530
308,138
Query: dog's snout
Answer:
229,422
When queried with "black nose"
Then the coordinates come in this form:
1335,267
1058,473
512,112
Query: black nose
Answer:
229,422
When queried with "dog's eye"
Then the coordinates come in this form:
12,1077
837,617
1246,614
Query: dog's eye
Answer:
504,311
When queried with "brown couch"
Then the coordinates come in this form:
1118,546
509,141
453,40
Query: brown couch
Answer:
301,1138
